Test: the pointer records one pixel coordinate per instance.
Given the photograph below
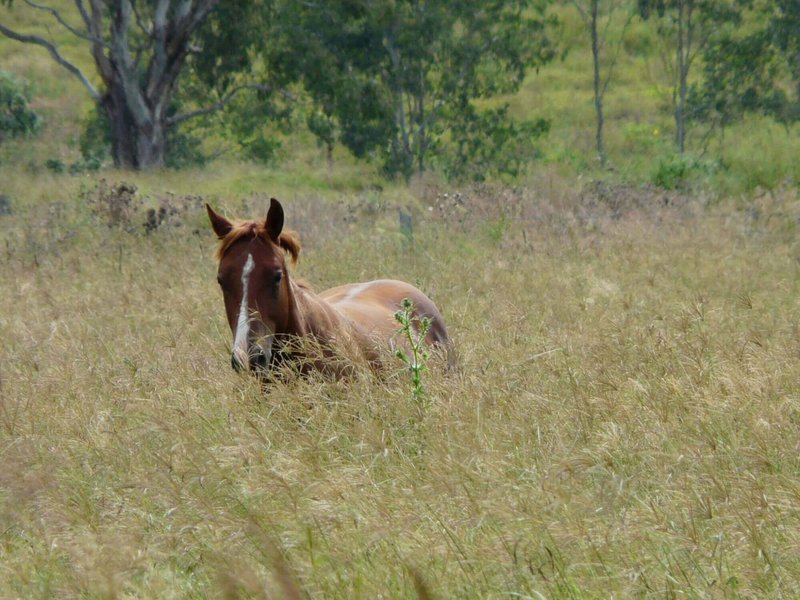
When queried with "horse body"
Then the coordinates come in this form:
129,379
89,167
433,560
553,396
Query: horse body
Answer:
371,306
274,318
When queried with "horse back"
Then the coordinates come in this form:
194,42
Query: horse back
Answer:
373,304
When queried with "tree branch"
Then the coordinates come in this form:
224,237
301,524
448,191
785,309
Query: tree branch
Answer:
175,119
613,62
158,64
84,15
187,19
125,67
35,39
60,19
177,35
139,21
581,10
95,28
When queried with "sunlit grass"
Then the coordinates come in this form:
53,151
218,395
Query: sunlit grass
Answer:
622,421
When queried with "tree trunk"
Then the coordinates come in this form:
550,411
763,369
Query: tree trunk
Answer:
132,146
151,146
680,106
598,95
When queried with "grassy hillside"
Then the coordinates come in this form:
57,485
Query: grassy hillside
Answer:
623,421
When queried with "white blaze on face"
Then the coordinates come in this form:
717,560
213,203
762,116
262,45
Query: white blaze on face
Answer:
240,341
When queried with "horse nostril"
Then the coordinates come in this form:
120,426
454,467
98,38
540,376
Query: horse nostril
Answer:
258,360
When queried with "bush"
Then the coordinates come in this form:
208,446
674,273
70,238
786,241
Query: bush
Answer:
16,119
676,170
56,165
95,139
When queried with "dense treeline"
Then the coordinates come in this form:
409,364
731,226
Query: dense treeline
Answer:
408,84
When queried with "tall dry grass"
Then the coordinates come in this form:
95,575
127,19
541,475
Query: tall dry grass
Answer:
623,422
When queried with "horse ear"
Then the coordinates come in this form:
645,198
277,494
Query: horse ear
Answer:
219,224
274,223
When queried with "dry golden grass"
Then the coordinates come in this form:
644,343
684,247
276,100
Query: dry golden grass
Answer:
624,421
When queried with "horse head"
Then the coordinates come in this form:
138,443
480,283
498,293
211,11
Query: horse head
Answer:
255,285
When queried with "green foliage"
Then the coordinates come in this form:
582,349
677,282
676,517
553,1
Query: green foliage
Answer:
234,38
323,127
95,137
228,38
16,119
398,79
742,84
254,122
689,28
56,165
785,30
490,143
642,136
739,76
705,11
750,72
413,330
149,59
675,171
183,149
497,228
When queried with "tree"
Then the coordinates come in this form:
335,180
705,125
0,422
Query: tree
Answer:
140,49
400,78
784,31
592,16
739,76
690,25
755,70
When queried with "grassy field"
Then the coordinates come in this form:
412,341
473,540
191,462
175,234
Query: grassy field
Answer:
623,422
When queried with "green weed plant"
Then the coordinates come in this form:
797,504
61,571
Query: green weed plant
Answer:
413,331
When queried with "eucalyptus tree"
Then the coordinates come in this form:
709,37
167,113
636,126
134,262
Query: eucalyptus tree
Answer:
599,17
690,26
406,79
742,73
140,49
754,68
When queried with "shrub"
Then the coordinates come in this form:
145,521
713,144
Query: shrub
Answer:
16,118
675,170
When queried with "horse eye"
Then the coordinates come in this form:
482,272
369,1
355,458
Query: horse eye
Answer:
277,278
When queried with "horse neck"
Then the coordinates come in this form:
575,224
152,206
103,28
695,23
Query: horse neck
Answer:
310,315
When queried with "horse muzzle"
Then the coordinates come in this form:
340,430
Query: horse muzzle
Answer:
256,358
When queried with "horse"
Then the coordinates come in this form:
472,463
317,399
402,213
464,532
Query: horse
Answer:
276,319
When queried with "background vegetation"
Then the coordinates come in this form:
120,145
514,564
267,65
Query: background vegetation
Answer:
529,101
624,418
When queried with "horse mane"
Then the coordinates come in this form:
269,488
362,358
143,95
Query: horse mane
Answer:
288,240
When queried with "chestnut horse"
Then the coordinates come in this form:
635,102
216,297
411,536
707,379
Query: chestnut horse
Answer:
273,318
